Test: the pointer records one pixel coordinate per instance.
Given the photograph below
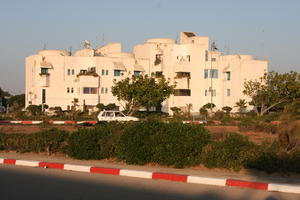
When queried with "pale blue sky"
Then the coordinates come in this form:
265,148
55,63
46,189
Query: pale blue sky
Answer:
268,29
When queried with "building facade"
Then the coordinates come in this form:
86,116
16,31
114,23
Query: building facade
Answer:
84,79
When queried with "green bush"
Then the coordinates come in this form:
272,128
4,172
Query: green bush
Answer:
232,152
50,141
272,158
179,144
93,143
172,144
135,144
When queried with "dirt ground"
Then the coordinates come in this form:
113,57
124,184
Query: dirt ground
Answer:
256,137
219,132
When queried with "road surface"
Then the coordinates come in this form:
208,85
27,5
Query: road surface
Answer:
38,183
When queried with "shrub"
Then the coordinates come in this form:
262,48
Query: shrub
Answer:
272,158
135,145
93,143
232,152
50,141
179,144
172,144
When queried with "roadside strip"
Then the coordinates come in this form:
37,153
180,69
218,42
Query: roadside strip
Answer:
158,176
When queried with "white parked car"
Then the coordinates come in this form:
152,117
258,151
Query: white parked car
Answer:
115,116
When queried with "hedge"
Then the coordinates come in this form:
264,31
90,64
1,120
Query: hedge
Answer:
173,144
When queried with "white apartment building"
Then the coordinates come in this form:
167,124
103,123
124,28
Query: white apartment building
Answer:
202,75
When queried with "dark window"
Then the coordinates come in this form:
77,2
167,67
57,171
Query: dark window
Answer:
117,72
213,59
206,55
182,92
206,73
228,92
83,71
68,90
213,73
102,90
72,90
102,72
43,95
73,71
44,70
228,76
106,90
106,72
86,90
205,93
136,73
69,71
183,75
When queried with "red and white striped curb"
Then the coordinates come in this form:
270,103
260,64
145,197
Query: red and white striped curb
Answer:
158,176
49,122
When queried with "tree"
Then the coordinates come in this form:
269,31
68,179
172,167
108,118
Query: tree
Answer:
17,102
272,89
4,93
241,105
142,91
36,110
227,109
176,111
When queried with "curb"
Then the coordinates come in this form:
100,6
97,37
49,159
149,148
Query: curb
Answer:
49,122
158,176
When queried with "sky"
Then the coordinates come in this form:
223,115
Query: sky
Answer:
266,29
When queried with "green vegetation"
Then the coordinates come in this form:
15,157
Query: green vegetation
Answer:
142,91
272,90
169,144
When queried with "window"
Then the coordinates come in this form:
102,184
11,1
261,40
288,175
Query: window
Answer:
44,70
118,114
206,73
228,92
228,76
214,93
106,72
106,90
188,57
213,73
73,71
83,71
213,59
102,72
206,55
117,72
68,90
182,92
205,93
102,90
72,90
92,69
69,71
136,73
89,90
43,95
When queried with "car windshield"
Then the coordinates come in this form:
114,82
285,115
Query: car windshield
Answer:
109,114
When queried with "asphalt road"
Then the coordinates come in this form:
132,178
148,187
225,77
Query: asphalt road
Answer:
38,183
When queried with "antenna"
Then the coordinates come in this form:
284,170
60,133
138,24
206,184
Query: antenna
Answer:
103,39
70,50
44,46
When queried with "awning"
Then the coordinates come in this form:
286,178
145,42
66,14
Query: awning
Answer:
227,69
45,64
139,68
119,66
